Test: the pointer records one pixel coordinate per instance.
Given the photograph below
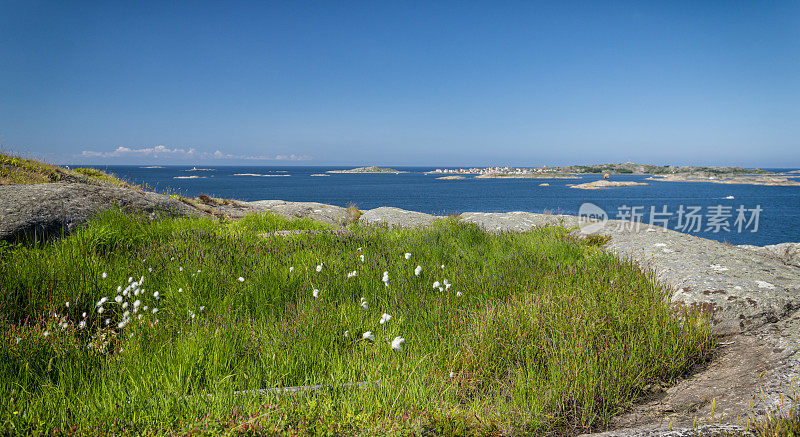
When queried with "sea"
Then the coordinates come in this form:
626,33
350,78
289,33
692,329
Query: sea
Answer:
736,214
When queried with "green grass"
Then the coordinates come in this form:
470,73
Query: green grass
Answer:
18,170
549,335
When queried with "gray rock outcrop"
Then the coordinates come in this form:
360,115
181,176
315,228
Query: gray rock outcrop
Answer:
787,253
396,217
335,215
48,209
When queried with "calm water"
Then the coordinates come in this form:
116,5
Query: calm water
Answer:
779,220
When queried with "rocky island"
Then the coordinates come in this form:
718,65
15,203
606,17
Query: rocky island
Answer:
603,184
371,169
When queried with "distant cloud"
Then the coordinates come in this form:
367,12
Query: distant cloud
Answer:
177,152
157,151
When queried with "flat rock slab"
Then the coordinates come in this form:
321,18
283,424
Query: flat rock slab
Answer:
46,210
396,217
516,221
335,215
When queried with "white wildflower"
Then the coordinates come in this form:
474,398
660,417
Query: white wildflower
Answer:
156,295
241,279
361,257
180,290
202,307
408,255
83,314
130,279
155,310
180,269
418,270
118,299
452,374
442,266
385,318
346,334
46,333
124,305
315,292
436,284
458,294
368,336
291,269
104,275
319,267
67,304
397,343
136,303
82,324
149,269
17,340
100,310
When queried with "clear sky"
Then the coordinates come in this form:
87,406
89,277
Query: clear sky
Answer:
401,83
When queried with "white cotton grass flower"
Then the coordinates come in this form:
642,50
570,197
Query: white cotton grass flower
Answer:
104,275
459,294
363,304
83,314
180,269
397,343
155,310
156,295
180,290
100,310
118,299
385,278
82,324
119,289
352,274
407,255
241,279
368,336
359,249
149,269
315,293
130,279
452,374
436,284
137,303
67,304
17,340
202,307
442,266
361,257
102,301
418,270
319,267
385,318
346,334
291,269
46,333
124,305
144,308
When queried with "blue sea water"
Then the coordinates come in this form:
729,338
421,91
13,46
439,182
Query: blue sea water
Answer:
778,221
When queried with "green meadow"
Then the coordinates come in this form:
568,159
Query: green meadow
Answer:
131,326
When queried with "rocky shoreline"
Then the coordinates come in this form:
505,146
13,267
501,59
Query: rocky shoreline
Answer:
752,294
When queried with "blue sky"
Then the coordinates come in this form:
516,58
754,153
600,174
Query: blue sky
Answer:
401,83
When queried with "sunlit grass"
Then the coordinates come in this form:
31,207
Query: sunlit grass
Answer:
524,333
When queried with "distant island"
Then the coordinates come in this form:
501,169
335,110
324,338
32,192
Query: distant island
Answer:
372,169
664,173
603,184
